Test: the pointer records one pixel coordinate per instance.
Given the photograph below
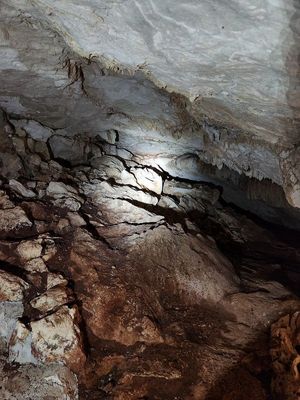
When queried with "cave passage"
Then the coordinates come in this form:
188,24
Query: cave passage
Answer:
149,200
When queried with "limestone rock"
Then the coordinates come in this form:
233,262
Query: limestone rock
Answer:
10,312
37,382
29,250
5,202
134,98
51,300
39,148
138,124
62,225
200,192
12,220
107,166
68,149
20,189
20,346
34,129
35,265
64,195
167,202
49,250
54,338
10,165
54,280
101,192
125,328
75,219
58,190
110,167
12,288
285,341
148,179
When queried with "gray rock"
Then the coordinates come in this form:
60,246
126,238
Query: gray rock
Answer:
18,188
10,312
198,80
34,129
148,179
54,338
68,149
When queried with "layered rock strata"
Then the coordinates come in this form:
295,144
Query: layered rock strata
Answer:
119,281
149,199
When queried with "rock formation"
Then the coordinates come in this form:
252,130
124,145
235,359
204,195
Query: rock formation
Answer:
149,200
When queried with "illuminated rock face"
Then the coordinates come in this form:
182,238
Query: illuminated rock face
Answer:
119,280
134,138
213,81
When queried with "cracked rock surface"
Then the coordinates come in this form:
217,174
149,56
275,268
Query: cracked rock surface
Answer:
149,200
180,85
120,281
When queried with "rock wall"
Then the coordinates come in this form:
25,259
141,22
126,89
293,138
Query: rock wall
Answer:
149,222
215,82
120,281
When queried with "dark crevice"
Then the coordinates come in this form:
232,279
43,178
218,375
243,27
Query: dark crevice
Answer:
89,227
14,270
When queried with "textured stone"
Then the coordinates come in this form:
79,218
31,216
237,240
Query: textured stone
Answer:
35,265
35,130
64,195
37,382
13,219
103,191
75,219
285,340
58,190
5,203
29,250
137,125
54,338
68,149
152,93
148,179
54,280
51,300
191,197
11,287
21,190
10,312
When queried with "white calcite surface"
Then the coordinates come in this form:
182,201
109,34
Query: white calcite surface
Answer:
10,312
210,81
54,338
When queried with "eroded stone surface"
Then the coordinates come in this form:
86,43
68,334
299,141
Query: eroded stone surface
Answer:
285,339
199,82
13,220
54,338
12,287
35,383
151,286
121,256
